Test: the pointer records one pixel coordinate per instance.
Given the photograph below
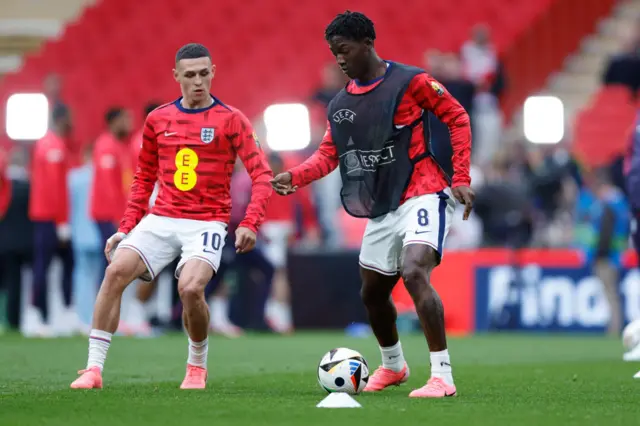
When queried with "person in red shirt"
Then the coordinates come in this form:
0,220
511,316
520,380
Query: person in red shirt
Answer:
277,232
190,147
378,134
113,173
48,209
135,144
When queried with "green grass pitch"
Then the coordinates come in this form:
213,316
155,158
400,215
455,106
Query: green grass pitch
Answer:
267,380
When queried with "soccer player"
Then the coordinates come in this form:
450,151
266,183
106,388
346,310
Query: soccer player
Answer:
112,172
49,211
190,146
378,135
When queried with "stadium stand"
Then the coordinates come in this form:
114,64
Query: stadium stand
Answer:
119,41
602,128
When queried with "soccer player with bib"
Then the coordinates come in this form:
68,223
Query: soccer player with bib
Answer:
378,133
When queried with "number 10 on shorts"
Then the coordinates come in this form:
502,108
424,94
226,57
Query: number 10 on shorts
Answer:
211,240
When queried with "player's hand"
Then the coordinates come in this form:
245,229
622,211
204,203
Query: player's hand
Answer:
245,240
465,195
112,244
282,184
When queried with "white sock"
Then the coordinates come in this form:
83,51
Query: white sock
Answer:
99,342
198,353
279,312
392,357
441,366
219,311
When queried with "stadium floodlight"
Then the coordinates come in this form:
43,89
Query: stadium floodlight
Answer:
27,116
543,119
288,127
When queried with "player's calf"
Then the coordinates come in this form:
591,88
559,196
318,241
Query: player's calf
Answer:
419,261
122,271
194,277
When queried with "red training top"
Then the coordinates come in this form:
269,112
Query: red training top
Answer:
192,152
111,180
48,200
423,93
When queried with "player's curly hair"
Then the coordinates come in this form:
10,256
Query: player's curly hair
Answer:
192,51
351,25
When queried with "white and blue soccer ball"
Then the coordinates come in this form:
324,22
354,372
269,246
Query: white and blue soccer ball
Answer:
343,370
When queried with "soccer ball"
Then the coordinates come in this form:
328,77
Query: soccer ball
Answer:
631,335
343,370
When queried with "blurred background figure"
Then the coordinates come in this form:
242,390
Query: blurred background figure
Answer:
482,67
49,210
113,173
16,233
602,232
624,67
278,230
88,250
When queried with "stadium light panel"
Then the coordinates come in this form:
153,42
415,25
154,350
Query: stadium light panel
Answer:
288,127
543,119
27,116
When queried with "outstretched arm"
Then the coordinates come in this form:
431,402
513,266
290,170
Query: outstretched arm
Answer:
321,163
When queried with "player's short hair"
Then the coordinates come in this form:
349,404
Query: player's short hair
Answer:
112,114
352,26
192,51
59,112
150,107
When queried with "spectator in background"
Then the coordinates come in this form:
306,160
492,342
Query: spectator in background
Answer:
624,68
632,178
113,174
277,232
503,205
53,91
433,63
136,139
483,68
16,230
327,190
601,232
86,241
49,209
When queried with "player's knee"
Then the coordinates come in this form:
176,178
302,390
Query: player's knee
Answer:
415,275
117,276
191,289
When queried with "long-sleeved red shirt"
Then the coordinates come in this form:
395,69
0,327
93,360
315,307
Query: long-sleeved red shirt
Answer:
111,180
423,93
191,153
48,200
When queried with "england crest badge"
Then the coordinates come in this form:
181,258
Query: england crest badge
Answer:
206,134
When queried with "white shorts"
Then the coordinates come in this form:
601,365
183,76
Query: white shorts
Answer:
276,235
420,220
159,240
